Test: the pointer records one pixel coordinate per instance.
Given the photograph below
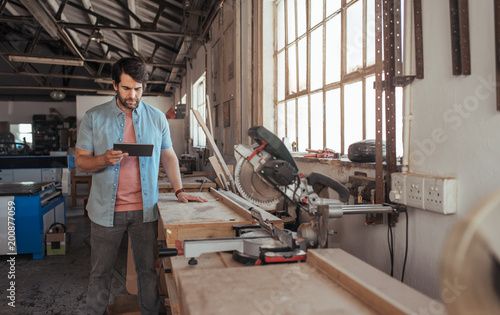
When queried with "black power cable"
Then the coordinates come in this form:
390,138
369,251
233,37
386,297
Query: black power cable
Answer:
390,241
406,250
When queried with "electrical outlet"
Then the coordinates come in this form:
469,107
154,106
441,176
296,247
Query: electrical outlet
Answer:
440,194
414,191
398,188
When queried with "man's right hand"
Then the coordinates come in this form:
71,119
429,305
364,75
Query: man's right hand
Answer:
113,157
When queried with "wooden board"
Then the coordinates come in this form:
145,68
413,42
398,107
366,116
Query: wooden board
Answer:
214,218
272,289
331,282
190,184
382,292
205,261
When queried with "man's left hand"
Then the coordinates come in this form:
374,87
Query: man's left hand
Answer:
185,197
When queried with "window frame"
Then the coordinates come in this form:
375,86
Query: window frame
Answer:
198,101
367,71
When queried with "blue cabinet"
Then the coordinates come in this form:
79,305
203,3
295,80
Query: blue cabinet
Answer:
37,206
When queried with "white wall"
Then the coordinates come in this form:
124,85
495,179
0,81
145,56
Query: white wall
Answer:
22,112
454,132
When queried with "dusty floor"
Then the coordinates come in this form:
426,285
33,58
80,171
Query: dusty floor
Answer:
58,284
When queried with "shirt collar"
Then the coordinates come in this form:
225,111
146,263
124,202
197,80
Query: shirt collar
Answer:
117,111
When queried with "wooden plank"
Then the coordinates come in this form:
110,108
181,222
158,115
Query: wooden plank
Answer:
212,143
271,289
197,220
172,300
245,212
221,179
331,282
384,293
214,218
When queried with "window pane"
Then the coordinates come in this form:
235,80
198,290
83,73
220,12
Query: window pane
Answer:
301,17
280,24
353,113
291,121
317,121
281,76
281,120
354,45
25,128
303,64
333,119
303,124
317,58
370,109
333,49
332,6
292,69
291,20
370,33
316,12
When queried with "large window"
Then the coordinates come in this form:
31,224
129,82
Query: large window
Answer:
325,72
199,103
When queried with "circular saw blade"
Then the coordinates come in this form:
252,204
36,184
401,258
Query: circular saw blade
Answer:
254,188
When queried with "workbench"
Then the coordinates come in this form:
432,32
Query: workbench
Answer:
190,184
180,221
331,281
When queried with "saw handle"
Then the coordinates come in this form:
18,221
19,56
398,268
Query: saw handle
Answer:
327,181
167,252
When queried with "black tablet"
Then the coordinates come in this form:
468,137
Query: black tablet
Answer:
134,149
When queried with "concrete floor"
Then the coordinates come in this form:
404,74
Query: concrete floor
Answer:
58,284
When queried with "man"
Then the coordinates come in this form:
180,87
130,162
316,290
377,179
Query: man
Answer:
124,191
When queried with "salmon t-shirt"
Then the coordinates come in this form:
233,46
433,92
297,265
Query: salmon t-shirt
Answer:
129,193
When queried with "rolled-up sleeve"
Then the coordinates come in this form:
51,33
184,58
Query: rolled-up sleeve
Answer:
166,141
84,138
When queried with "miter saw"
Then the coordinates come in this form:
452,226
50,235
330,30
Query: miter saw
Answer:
266,176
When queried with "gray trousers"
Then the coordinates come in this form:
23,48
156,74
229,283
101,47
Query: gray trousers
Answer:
105,243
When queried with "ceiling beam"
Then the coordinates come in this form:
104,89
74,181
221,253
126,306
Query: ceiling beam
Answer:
130,13
75,89
74,77
175,51
122,29
77,61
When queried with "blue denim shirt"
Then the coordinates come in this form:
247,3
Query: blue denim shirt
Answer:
104,125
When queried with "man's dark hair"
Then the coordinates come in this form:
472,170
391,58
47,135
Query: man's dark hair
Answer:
135,67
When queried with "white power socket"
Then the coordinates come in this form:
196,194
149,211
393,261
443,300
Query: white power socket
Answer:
398,188
414,191
438,194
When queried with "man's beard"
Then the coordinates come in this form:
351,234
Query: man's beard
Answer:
124,103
